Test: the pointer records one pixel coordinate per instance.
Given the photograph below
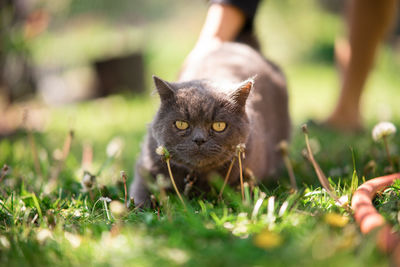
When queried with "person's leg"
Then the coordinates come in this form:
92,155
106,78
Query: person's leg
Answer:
223,23
369,20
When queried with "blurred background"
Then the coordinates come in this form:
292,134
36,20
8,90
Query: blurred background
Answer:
87,66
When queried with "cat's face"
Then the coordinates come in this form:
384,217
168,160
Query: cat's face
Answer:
199,124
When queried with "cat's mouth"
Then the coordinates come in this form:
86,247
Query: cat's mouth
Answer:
201,160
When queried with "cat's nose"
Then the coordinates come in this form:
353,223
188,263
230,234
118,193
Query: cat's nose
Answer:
199,140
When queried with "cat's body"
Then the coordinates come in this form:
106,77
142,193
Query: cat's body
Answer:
212,91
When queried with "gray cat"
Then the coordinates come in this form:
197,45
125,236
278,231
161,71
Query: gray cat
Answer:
232,96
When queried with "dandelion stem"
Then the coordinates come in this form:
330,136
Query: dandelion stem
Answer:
34,153
91,195
32,144
107,212
4,171
288,164
388,152
65,152
241,174
123,174
173,182
289,168
226,177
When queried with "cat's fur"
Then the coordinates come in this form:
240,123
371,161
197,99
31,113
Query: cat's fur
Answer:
219,87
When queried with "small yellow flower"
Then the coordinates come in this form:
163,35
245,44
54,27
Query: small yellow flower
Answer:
336,220
383,129
267,240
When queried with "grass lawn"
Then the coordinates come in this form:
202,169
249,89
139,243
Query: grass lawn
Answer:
46,219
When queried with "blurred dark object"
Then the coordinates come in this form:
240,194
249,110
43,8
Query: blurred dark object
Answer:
249,38
394,39
333,6
18,23
120,74
16,78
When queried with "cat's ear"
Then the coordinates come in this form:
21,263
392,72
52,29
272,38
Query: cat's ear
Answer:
165,89
239,96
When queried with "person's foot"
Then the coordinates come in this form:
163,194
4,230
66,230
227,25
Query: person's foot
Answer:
343,122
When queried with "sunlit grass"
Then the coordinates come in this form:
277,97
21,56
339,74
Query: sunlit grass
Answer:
66,227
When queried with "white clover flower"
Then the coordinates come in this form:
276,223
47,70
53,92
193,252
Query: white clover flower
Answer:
382,129
88,181
283,147
114,148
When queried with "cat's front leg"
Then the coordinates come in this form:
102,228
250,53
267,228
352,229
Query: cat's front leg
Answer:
138,191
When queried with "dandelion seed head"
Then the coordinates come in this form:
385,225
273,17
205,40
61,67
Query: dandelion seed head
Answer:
117,208
160,151
315,145
88,181
74,240
4,242
43,234
240,147
162,182
382,129
114,148
283,147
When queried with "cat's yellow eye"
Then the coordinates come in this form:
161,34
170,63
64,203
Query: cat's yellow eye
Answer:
219,126
181,125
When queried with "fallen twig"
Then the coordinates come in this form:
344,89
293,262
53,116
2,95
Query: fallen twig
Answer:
320,174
